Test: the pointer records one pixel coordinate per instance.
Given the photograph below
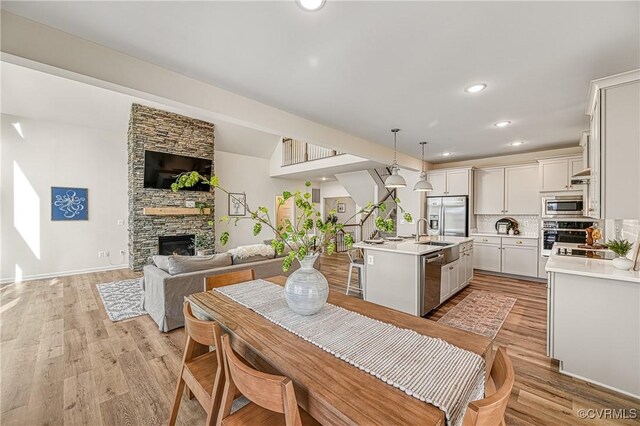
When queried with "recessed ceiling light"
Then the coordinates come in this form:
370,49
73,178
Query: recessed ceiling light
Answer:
311,5
446,154
323,178
502,123
476,88
516,143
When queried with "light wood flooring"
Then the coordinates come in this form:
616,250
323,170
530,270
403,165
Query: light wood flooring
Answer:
64,362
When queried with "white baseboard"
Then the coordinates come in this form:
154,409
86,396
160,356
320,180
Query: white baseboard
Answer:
577,376
8,280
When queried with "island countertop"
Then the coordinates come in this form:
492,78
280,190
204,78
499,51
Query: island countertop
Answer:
409,246
586,267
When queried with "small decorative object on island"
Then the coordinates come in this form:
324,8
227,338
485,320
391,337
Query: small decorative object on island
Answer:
306,289
621,248
202,243
593,235
69,203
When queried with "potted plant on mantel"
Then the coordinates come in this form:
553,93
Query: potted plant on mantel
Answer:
202,243
621,248
306,290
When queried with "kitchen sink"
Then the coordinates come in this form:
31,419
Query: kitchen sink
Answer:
435,243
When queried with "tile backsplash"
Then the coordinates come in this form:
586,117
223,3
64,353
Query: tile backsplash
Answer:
528,224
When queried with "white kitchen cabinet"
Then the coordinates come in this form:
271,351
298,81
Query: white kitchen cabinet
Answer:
449,182
487,256
507,190
449,280
458,182
520,260
489,191
521,194
507,255
614,187
439,182
555,174
465,273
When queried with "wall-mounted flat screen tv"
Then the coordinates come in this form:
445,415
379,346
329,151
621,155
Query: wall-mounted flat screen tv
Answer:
161,169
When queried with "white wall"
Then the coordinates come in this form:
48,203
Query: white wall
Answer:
410,202
241,173
52,154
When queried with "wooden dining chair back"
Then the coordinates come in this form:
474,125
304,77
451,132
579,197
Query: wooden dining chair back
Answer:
490,410
229,278
271,392
202,371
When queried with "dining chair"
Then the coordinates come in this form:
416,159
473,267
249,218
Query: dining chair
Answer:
228,279
273,400
356,260
490,410
202,373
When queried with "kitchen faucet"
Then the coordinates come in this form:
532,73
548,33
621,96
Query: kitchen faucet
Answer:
418,228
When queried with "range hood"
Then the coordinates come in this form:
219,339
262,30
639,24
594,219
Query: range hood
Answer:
583,176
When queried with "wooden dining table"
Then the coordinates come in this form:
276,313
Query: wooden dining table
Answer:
331,390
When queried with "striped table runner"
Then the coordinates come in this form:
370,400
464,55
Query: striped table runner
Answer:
426,368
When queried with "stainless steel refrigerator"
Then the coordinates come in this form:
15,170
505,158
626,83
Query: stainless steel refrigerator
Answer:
447,216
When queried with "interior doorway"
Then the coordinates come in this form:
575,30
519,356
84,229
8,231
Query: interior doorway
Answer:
284,211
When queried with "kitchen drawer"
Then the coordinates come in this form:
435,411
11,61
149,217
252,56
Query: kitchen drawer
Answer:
519,242
487,240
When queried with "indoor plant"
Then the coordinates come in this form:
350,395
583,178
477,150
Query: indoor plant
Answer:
305,238
203,243
621,248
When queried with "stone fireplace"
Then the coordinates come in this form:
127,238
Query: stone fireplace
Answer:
156,130
176,244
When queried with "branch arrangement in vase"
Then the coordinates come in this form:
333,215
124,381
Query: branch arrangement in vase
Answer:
307,234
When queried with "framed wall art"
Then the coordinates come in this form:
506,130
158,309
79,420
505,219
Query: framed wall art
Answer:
69,203
237,204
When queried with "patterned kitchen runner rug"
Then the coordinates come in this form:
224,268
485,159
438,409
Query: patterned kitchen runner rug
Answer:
480,312
123,299
437,372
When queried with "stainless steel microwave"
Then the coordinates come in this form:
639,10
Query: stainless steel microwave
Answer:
562,206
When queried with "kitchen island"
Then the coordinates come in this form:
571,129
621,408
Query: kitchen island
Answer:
394,274
593,324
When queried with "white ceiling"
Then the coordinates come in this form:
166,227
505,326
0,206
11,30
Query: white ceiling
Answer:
365,67
37,95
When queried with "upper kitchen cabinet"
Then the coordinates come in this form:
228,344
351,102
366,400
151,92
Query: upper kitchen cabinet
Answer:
489,191
449,182
555,174
521,190
507,190
614,186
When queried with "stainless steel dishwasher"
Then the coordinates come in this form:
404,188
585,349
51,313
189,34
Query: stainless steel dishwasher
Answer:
431,275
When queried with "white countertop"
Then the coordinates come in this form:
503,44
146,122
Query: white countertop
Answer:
495,234
410,247
597,268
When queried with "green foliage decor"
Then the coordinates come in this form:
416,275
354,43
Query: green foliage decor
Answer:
620,247
307,234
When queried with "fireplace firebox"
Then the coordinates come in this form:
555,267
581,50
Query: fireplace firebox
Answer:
176,244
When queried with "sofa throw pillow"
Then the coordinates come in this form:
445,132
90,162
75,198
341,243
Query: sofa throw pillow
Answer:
243,252
184,264
161,261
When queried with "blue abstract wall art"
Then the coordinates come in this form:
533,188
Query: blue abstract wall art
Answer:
69,203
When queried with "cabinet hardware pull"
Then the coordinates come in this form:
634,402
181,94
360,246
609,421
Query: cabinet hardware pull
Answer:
451,268
518,242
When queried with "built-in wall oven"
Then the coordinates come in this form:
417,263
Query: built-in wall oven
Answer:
562,231
562,206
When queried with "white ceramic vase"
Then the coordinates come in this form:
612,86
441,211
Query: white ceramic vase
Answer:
306,289
622,263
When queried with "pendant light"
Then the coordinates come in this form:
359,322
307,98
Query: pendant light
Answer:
394,180
423,185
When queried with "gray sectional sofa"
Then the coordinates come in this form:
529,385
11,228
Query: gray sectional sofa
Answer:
167,281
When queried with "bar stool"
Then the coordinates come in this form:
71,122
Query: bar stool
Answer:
356,259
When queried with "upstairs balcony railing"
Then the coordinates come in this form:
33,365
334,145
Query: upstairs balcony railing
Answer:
295,152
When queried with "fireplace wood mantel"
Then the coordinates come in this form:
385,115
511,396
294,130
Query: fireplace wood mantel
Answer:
174,211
